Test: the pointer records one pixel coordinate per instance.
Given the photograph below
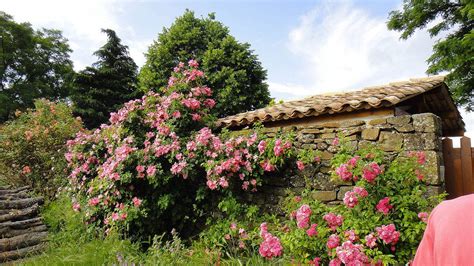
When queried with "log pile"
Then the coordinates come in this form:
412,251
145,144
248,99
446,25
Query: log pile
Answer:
22,231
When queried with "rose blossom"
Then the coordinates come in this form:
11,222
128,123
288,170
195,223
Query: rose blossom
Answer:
423,216
333,220
333,241
388,234
136,201
343,172
312,231
302,216
384,206
300,165
261,146
371,171
370,240
350,199
150,170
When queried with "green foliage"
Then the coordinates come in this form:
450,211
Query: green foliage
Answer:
33,64
107,84
232,69
32,147
455,52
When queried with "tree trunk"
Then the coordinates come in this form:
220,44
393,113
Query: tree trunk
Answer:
20,214
19,253
20,224
13,191
18,232
9,196
21,241
19,203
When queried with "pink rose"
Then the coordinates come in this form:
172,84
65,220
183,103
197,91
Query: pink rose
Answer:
384,206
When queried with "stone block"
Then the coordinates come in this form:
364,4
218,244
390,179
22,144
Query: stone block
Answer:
330,124
434,191
306,138
324,195
432,168
427,123
378,121
328,135
297,181
326,155
351,131
352,123
364,144
399,120
390,141
309,146
431,141
405,128
370,133
413,141
342,191
310,130
321,145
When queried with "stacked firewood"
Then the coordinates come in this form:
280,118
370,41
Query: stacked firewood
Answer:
22,231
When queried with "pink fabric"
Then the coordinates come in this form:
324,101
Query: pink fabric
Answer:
449,235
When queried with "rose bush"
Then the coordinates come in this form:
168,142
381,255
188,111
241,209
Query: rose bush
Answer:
381,220
159,166
32,147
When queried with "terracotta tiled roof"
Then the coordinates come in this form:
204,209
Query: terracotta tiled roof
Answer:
367,98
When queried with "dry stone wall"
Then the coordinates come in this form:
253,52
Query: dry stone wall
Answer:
419,132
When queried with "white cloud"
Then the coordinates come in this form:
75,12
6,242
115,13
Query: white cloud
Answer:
344,47
81,23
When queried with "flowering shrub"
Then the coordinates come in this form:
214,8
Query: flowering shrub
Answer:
159,158
32,146
381,220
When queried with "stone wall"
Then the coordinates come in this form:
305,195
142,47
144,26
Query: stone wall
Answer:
419,132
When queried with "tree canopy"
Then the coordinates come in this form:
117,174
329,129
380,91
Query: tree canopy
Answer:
233,70
33,64
103,87
453,53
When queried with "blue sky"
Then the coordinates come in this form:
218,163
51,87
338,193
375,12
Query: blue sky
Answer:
307,47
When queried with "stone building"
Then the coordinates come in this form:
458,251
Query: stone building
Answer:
411,115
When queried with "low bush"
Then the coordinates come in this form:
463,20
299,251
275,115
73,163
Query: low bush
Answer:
32,147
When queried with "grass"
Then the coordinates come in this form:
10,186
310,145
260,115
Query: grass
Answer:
72,243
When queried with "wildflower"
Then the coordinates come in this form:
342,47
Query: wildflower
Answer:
312,230
335,141
302,216
419,175
196,117
76,206
26,170
209,103
241,244
233,226
333,241
277,149
384,206
227,236
353,161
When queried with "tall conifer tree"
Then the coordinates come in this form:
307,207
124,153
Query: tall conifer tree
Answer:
107,84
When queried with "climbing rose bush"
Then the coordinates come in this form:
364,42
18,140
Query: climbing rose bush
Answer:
159,165
381,220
